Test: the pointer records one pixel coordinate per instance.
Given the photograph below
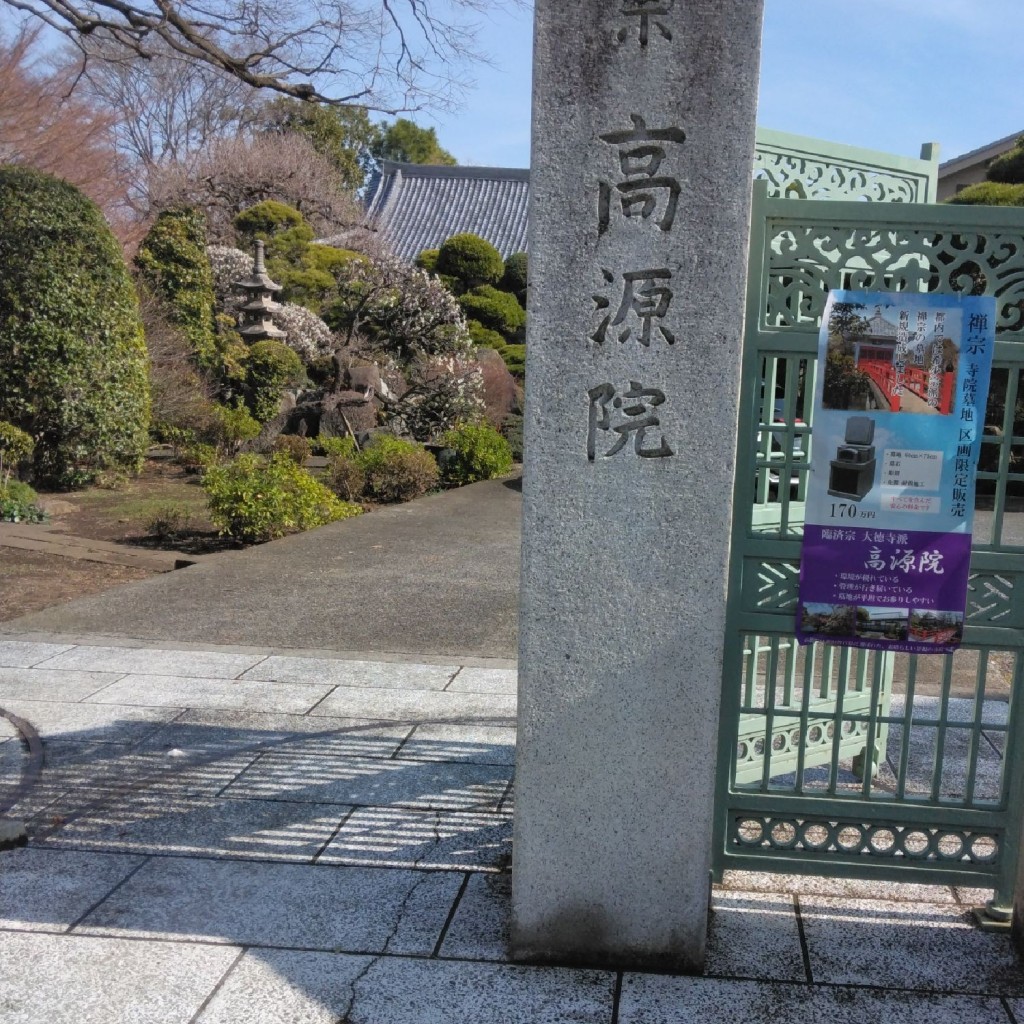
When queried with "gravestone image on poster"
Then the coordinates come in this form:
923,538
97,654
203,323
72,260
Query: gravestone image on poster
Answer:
899,410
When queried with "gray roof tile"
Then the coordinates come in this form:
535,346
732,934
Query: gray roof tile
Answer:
419,207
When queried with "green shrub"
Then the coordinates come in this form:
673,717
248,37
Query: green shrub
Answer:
515,359
397,470
484,337
471,260
331,446
234,426
15,447
514,279
1009,167
73,371
253,500
268,218
168,522
296,447
270,367
495,310
512,431
346,477
478,452
427,260
172,261
18,504
990,193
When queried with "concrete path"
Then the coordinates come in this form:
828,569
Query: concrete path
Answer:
236,836
438,576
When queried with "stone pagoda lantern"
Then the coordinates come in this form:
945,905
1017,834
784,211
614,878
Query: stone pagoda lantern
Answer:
256,314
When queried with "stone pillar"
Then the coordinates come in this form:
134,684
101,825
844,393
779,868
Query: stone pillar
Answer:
643,141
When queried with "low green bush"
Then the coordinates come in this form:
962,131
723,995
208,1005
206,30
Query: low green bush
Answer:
15,447
512,431
990,193
397,470
478,452
233,427
168,522
252,499
331,446
18,504
346,477
495,310
296,447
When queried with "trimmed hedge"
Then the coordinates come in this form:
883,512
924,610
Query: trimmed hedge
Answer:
73,363
990,193
478,452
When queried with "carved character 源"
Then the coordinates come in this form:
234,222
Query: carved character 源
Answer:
643,297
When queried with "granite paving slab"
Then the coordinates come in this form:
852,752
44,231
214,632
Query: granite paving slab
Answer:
662,999
46,891
404,675
79,723
374,781
394,837
397,990
246,829
479,744
485,680
154,661
358,910
925,946
70,979
25,654
202,733
283,986
754,935
480,927
197,692
51,684
419,706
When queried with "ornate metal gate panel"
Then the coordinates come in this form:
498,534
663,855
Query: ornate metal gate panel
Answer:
840,761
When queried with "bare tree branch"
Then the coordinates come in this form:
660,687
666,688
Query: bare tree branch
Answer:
387,55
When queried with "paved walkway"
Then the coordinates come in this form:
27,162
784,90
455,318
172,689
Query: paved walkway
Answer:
237,835
437,576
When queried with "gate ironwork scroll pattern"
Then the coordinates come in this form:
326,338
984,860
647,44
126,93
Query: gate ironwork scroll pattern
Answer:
850,762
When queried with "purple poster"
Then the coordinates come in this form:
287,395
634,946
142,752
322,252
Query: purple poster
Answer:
898,414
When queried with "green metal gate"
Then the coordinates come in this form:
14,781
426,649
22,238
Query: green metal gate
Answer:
851,762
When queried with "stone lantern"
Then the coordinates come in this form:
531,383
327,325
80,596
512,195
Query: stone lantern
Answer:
256,315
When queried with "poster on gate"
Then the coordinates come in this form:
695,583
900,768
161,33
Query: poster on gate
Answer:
899,410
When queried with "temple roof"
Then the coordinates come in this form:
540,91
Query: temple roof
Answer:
419,207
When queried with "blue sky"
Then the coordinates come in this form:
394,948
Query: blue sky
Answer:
882,74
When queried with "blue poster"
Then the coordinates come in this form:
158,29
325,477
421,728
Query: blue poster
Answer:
899,410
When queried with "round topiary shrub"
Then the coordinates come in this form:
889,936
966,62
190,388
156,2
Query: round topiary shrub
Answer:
496,310
475,452
397,470
252,499
172,261
484,337
990,193
73,365
266,219
514,279
471,260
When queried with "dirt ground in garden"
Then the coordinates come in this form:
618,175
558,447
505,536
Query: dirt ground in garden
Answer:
164,508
